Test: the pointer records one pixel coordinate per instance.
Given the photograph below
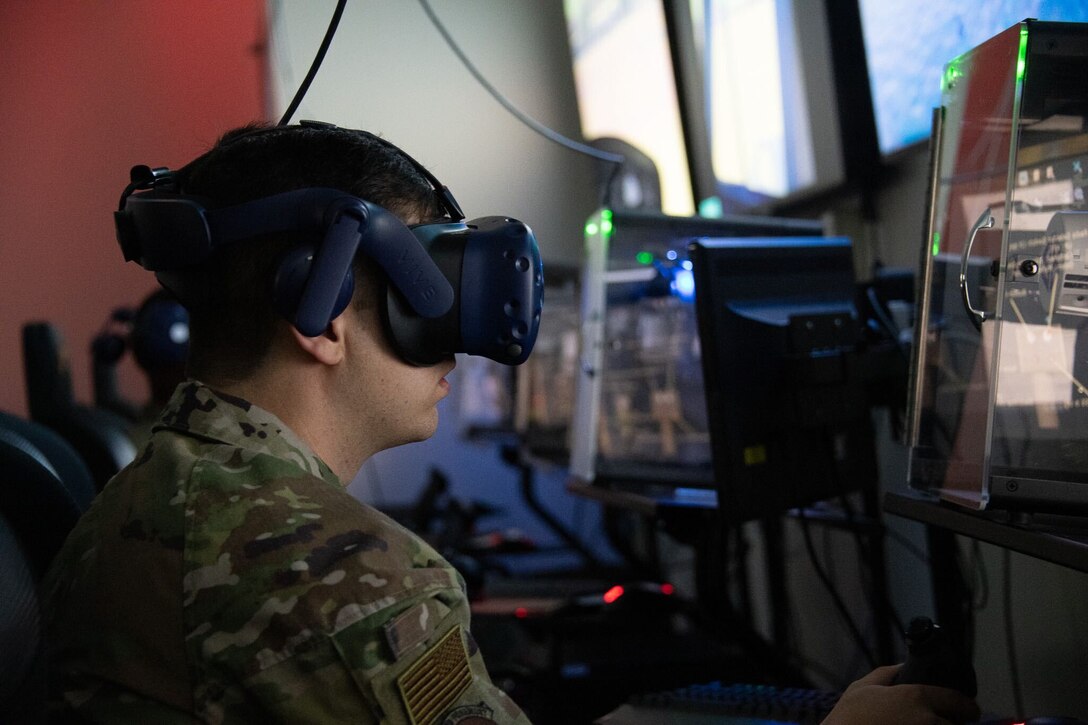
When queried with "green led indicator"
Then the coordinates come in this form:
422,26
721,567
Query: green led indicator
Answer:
711,208
591,229
1022,56
606,222
644,258
951,74
936,243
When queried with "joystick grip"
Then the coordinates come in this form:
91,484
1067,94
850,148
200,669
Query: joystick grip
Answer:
933,660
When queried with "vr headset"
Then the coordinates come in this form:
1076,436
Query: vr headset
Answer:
472,287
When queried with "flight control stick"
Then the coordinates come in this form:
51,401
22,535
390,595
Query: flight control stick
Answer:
933,660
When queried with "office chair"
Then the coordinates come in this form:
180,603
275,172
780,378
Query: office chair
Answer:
58,455
39,506
37,511
99,436
22,667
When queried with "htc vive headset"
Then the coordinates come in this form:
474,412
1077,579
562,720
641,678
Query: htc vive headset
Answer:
473,287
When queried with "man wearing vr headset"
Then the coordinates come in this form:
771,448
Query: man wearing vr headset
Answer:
226,575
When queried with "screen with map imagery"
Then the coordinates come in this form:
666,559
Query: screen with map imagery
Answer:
908,43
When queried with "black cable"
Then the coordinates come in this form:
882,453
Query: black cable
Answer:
909,545
851,518
1010,640
881,316
532,123
325,42
840,605
853,525
975,584
983,577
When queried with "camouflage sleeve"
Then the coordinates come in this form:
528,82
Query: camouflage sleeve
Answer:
421,666
326,611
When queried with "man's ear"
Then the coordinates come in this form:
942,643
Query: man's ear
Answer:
328,347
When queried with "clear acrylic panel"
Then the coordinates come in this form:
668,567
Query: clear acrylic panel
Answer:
1000,402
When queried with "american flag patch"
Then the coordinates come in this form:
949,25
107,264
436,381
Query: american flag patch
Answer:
436,681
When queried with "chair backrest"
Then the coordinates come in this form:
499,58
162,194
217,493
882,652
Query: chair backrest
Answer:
22,666
48,375
39,506
101,437
44,489
59,455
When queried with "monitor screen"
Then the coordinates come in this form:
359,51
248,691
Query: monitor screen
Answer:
544,403
779,331
908,43
770,104
640,414
626,90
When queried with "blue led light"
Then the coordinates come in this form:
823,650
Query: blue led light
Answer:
683,285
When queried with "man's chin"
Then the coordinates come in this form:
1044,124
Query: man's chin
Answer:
418,436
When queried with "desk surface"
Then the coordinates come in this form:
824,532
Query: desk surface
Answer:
646,499
1058,539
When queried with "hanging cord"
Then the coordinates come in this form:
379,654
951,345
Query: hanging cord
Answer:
1010,640
532,123
325,42
980,578
854,523
908,545
840,605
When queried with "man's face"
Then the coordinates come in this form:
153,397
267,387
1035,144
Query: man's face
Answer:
391,401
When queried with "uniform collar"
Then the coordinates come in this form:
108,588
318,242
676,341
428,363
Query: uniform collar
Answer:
199,411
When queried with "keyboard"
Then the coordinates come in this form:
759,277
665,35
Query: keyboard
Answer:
720,703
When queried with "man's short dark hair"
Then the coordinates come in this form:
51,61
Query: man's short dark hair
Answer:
232,319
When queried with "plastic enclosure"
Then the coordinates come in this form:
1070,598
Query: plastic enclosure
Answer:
999,403
640,412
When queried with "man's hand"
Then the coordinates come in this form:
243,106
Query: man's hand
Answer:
873,699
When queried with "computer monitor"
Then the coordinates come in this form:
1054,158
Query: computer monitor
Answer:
908,43
764,82
627,94
789,422
640,417
544,403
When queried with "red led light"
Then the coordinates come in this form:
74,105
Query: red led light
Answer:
667,588
521,612
613,594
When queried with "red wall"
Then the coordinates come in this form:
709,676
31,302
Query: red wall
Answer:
87,90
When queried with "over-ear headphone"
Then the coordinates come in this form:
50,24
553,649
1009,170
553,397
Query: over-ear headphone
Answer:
297,271
474,287
292,277
157,334
160,332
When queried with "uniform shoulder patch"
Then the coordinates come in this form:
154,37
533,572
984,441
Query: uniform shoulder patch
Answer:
470,715
408,629
434,683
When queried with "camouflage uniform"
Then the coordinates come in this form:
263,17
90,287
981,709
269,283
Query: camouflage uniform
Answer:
226,576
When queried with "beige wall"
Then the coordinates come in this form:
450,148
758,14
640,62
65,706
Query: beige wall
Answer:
389,71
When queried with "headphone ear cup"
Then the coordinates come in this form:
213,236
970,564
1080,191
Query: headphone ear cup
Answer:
160,334
108,348
291,279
